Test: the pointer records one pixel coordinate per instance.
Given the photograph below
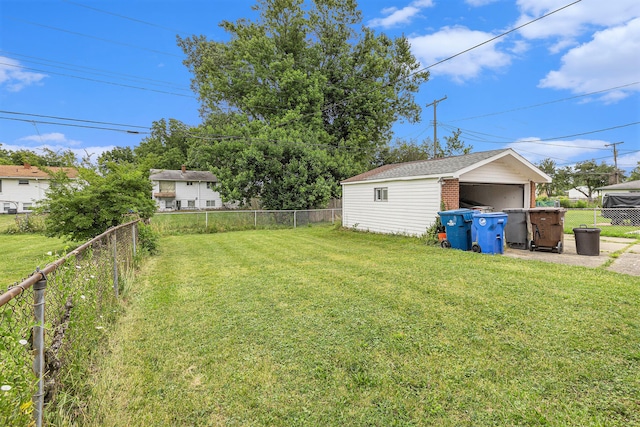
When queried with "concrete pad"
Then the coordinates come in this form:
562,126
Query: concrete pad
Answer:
626,262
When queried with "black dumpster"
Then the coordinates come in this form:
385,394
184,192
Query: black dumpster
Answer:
587,240
547,229
515,232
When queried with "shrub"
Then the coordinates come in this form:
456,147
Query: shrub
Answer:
148,239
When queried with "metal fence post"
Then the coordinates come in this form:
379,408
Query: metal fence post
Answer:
134,235
255,219
206,219
115,265
38,347
294,218
595,216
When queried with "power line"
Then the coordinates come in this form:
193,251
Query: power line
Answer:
97,80
498,36
140,21
72,119
74,125
80,68
545,103
75,33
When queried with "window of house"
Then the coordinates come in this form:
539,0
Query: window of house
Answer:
23,182
380,194
189,182
167,186
6,207
0,186
26,206
211,203
210,185
191,203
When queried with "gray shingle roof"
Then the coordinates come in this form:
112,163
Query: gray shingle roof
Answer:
629,185
178,175
433,167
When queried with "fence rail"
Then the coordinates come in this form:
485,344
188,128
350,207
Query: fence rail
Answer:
51,321
232,220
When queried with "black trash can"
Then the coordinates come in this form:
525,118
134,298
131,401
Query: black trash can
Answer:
587,240
516,233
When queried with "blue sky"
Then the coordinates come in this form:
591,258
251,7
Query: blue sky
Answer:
563,87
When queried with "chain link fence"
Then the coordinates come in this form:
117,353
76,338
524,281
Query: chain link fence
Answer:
51,323
612,221
235,220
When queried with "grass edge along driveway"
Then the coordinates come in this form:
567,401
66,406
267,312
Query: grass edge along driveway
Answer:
317,326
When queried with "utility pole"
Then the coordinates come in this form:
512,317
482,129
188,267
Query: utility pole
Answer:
435,126
615,156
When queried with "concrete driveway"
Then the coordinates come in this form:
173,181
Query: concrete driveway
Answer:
616,254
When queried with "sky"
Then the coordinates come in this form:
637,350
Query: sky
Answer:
90,75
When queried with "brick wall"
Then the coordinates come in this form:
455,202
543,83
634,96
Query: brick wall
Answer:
451,194
532,195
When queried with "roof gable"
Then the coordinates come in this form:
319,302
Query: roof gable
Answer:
449,166
629,185
28,171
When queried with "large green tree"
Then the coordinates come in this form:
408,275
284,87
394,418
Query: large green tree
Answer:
635,173
305,84
166,148
82,208
591,175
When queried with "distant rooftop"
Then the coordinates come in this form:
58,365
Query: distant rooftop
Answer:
28,171
181,175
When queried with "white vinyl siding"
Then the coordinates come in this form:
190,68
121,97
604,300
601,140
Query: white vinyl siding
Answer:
497,172
411,209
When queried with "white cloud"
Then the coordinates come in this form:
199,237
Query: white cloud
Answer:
54,137
397,16
610,59
448,41
563,152
14,78
574,20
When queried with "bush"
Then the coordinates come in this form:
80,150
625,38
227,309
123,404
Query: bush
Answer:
148,239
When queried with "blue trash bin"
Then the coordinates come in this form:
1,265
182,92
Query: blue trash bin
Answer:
487,232
457,223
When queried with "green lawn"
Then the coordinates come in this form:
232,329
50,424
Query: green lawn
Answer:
320,327
22,253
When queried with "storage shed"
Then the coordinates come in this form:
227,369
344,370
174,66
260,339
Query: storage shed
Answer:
405,198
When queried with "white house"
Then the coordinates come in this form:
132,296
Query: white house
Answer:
406,197
184,189
21,187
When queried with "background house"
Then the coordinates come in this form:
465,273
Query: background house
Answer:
625,187
21,187
184,189
406,197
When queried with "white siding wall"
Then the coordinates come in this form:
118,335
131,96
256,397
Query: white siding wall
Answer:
411,207
197,192
22,193
497,172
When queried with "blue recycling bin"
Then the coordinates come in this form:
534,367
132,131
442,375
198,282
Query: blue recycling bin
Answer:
487,232
457,223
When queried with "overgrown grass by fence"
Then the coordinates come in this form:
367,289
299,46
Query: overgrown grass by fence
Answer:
238,220
53,321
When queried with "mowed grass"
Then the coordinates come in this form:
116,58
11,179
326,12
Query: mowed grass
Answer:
322,327
21,254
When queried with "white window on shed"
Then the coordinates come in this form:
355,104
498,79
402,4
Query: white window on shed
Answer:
211,203
380,194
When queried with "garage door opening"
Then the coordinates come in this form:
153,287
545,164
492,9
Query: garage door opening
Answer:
495,196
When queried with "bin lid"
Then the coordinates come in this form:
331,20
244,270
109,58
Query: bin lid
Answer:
586,230
489,214
467,214
545,209
518,210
